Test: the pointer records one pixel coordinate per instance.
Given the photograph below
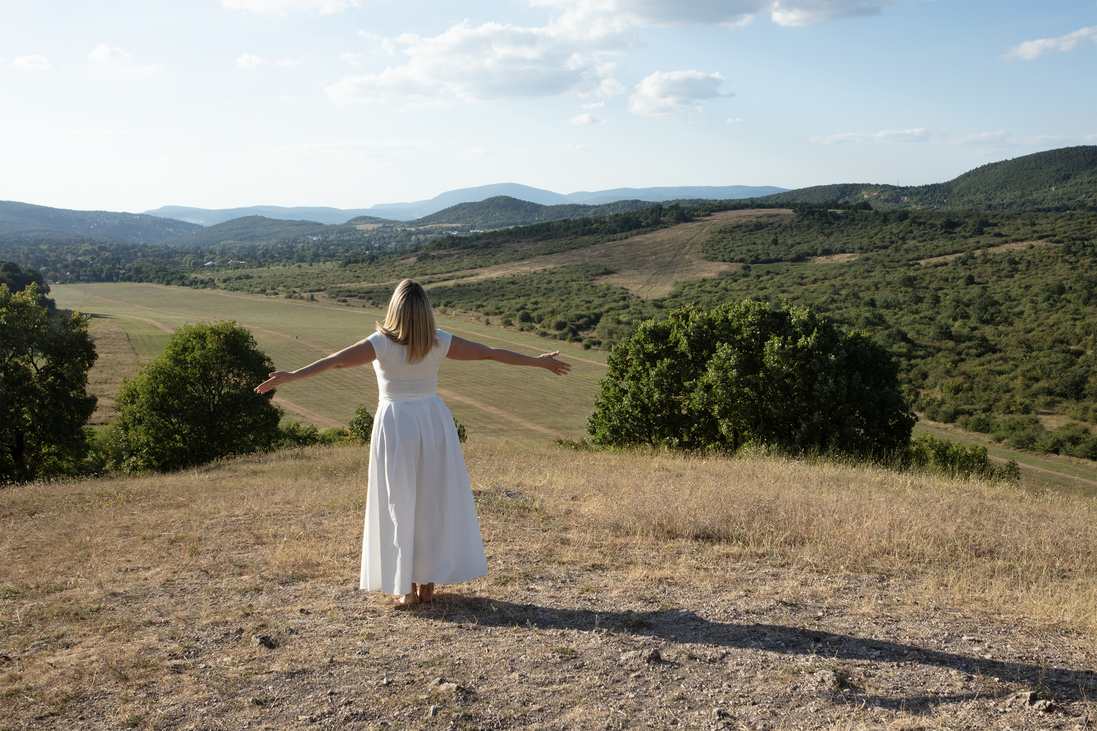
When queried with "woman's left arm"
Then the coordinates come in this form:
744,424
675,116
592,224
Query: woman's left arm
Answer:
461,349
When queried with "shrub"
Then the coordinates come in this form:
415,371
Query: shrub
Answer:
196,403
926,452
361,426
745,373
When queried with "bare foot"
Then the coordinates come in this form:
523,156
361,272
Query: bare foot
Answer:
409,600
426,593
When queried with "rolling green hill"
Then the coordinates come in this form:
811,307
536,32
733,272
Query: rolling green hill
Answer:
23,221
1060,180
503,211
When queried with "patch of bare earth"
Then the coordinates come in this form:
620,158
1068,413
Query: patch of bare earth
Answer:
647,265
1015,246
834,259
225,597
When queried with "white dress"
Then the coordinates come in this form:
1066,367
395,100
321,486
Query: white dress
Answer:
421,523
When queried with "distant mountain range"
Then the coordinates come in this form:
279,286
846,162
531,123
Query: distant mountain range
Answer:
1064,179
421,209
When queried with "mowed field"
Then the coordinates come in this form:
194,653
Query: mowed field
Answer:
489,399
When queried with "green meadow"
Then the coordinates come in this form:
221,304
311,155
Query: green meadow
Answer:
487,398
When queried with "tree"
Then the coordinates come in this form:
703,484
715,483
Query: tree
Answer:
361,426
195,403
746,373
19,279
44,403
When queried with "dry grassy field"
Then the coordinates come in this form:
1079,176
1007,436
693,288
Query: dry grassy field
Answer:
625,591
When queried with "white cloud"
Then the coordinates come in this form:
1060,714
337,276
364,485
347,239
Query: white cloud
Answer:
491,61
31,63
909,135
568,55
103,52
285,7
1030,50
381,44
608,14
583,119
674,93
352,59
735,120
595,105
818,12
248,61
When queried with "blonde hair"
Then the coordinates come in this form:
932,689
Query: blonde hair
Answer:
410,321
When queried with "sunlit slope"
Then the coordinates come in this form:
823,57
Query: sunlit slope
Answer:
489,399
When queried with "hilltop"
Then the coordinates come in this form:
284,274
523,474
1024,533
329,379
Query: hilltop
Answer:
23,221
1058,180
625,591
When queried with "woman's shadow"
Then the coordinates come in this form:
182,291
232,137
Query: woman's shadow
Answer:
674,625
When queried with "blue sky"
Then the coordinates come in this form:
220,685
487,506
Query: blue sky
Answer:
128,105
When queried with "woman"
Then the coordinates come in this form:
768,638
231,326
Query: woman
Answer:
421,525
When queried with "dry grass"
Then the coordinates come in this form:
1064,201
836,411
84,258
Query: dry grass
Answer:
1009,551
133,601
117,360
1015,246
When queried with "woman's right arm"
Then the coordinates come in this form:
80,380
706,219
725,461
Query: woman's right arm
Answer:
358,354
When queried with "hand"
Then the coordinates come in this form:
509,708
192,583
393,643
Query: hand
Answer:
276,379
559,367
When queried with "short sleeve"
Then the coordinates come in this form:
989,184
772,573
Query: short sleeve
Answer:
444,339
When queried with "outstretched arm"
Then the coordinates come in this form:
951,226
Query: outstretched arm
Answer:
461,349
358,354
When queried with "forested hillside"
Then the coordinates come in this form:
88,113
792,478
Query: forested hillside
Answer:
26,222
1058,180
504,211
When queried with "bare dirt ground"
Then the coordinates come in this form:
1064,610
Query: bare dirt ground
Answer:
1015,246
169,607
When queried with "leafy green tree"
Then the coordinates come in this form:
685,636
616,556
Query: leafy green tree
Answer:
195,403
361,426
17,279
747,373
44,403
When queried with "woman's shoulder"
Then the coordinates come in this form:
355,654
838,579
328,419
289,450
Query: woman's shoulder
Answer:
443,339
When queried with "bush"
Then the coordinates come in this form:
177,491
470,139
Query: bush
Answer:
361,426
296,434
196,403
926,452
745,373
334,435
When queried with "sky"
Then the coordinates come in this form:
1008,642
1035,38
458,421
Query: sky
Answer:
129,105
